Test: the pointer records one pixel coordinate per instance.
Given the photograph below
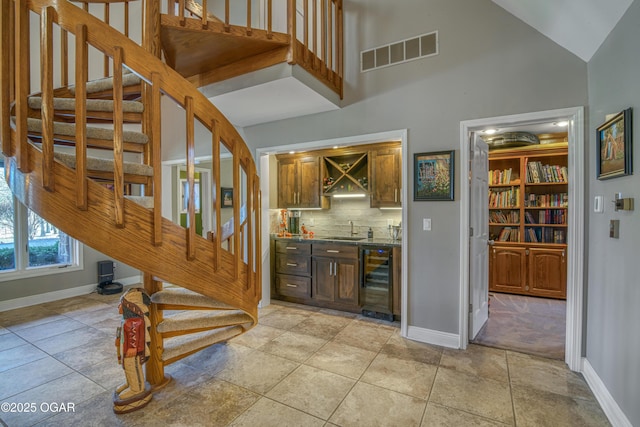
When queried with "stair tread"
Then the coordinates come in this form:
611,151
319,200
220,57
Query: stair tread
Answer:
104,165
144,201
69,129
103,105
99,85
185,297
188,320
174,347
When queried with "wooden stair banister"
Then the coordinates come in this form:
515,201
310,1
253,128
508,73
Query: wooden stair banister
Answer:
66,189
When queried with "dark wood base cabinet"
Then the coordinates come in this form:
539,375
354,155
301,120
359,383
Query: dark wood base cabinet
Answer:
528,271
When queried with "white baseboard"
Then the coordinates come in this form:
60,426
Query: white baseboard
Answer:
616,417
58,295
429,336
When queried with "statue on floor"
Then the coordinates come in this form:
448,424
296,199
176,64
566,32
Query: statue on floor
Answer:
132,344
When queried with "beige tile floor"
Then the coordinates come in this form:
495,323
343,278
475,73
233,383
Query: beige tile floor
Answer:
300,366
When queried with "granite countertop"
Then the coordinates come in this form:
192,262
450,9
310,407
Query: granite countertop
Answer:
330,239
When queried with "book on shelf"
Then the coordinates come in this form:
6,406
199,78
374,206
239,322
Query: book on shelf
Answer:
539,173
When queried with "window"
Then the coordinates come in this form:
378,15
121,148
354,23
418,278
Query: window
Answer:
29,245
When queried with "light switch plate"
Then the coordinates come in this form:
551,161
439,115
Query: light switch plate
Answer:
426,224
598,204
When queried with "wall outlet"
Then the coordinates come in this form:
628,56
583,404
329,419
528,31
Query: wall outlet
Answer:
312,221
426,224
389,222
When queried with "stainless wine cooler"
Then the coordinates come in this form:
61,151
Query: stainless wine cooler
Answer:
376,282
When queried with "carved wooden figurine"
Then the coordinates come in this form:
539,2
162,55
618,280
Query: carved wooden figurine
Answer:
132,343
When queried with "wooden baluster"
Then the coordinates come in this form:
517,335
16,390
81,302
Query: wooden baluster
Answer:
269,19
314,27
156,155
85,6
191,163
248,17
5,75
330,36
64,58
292,19
106,57
323,35
82,71
183,20
227,27
46,85
205,14
217,203
151,26
340,47
171,7
126,19
22,77
305,30
118,146
236,210
249,236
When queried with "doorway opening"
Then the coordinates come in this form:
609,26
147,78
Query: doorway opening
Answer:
269,196
474,287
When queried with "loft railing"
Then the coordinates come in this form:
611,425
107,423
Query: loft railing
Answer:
315,28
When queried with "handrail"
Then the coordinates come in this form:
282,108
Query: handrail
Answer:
89,30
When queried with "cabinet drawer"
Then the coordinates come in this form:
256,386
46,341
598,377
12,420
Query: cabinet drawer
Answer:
335,250
293,247
293,264
293,286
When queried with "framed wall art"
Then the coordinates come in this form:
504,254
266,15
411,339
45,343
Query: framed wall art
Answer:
433,175
227,197
613,145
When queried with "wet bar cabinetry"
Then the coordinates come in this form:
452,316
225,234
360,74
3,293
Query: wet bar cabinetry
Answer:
325,273
528,206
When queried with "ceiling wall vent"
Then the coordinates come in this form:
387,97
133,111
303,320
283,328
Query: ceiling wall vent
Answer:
410,49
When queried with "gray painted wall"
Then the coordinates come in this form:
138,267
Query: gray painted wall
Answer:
490,64
613,310
56,282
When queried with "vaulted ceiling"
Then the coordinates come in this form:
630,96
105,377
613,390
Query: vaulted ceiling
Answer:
580,26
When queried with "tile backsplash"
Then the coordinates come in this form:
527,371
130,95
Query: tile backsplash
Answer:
335,221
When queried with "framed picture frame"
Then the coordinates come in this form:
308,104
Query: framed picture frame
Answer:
227,197
614,146
433,175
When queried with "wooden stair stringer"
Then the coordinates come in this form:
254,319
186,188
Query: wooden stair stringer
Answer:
133,243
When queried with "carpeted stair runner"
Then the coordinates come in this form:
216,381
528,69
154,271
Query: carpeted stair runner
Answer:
69,129
174,347
104,165
105,105
101,85
190,320
185,298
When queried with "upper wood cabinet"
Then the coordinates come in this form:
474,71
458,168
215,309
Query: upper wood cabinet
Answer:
387,181
299,182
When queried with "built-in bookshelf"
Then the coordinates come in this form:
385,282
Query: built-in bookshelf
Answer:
528,211
528,195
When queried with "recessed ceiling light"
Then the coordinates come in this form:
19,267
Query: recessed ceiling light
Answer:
490,131
335,147
562,123
292,152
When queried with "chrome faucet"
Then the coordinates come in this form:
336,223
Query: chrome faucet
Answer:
351,224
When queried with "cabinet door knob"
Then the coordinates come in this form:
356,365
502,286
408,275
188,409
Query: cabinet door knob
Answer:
290,264
291,286
333,251
292,248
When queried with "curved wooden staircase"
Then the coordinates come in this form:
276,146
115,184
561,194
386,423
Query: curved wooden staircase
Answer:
64,141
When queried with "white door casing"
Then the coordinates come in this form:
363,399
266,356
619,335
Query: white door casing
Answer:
479,235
